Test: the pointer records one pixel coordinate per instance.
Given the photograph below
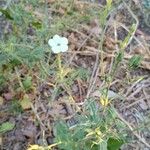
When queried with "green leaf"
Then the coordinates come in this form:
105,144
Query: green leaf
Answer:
114,144
6,126
103,145
109,3
15,107
119,57
6,13
3,58
2,79
15,62
64,136
135,61
37,25
27,83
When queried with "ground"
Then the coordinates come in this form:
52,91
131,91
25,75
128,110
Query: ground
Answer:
34,121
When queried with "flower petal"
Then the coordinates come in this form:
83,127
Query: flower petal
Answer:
56,49
57,39
64,48
58,44
51,42
64,40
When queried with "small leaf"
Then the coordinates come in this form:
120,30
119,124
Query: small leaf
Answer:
114,144
27,83
119,57
37,25
25,102
109,3
6,126
2,79
135,61
6,13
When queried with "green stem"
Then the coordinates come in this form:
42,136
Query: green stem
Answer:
60,67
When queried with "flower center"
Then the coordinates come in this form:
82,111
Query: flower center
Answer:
58,44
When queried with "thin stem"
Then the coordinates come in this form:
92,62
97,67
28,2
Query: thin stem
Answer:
60,69
19,80
59,61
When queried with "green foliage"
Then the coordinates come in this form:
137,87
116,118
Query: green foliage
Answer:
6,126
118,59
37,25
134,62
92,131
2,79
27,83
6,12
20,45
120,55
78,73
21,54
105,12
95,128
15,107
114,144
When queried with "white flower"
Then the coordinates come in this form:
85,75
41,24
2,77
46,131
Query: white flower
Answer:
58,44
